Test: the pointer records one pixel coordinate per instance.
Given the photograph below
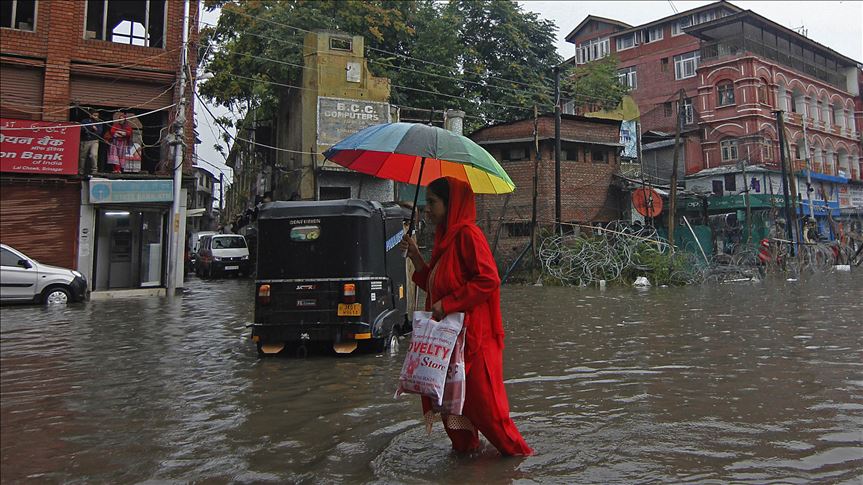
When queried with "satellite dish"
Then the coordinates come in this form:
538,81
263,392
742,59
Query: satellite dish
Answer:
647,202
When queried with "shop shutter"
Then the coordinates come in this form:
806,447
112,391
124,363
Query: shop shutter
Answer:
41,220
20,92
107,92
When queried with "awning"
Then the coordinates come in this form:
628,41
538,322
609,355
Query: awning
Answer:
195,212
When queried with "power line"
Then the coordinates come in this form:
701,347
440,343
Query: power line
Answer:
16,128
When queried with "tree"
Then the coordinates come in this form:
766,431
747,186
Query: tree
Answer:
508,58
595,85
489,58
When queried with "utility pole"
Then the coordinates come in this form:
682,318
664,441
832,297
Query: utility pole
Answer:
536,160
746,196
672,195
557,211
174,250
780,128
809,189
221,192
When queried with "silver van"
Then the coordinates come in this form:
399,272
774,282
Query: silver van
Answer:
24,279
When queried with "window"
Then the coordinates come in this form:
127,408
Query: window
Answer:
666,109
799,151
517,229
627,77
767,149
729,150
685,65
731,182
664,64
134,22
8,258
598,156
341,44
626,42
592,50
335,193
694,19
725,94
677,27
653,34
717,187
514,154
762,94
688,111
18,14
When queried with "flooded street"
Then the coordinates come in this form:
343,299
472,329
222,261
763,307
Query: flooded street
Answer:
746,382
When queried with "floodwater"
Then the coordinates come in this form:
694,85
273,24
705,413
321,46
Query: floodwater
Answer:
744,383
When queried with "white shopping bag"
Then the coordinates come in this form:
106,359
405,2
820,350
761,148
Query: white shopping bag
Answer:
425,368
454,389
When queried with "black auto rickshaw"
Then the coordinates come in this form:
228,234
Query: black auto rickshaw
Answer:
331,273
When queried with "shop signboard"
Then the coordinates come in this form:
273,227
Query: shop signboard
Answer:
339,118
856,196
106,191
736,202
38,147
844,196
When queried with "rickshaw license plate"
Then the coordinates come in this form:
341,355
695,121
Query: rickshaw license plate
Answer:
350,309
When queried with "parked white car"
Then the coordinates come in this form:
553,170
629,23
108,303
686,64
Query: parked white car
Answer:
24,279
221,254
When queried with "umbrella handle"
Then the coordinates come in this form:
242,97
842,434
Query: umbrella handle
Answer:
416,198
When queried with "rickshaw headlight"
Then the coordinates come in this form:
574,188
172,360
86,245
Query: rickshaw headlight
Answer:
349,293
264,294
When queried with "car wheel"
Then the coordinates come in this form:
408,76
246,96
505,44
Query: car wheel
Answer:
56,296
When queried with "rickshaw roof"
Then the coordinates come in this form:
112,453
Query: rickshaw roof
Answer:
331,208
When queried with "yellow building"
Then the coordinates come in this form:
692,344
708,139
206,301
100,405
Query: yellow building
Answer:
339,97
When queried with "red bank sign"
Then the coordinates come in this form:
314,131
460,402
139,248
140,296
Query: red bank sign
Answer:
39,147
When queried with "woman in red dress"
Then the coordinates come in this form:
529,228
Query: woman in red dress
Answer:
462,277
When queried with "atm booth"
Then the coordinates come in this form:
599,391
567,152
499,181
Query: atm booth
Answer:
125,233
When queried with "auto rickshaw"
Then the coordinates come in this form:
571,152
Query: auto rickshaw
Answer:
329,273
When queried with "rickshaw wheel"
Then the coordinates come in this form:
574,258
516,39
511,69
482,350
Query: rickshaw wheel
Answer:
390,342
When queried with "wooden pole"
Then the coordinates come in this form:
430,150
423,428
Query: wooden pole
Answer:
537,158
672,196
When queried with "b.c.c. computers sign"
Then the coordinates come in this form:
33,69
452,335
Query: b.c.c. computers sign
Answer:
340,118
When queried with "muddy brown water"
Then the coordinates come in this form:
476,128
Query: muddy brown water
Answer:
736,383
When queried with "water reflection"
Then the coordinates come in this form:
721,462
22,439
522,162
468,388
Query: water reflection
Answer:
750,382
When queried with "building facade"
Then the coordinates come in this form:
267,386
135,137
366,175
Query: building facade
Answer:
735,70
61,63
590,157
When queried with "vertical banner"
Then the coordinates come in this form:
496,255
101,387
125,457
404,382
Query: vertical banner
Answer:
39,147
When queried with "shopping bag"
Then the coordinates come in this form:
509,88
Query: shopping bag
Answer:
453,392
424,371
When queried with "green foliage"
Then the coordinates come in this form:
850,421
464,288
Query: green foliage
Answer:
437,55
595,84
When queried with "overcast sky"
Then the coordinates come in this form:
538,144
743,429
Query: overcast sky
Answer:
835,24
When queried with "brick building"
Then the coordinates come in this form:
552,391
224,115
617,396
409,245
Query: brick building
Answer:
736,68
59,62
590,149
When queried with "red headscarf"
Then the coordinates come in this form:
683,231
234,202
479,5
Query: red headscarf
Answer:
461,211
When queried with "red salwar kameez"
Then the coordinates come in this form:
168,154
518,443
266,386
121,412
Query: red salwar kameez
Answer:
462,275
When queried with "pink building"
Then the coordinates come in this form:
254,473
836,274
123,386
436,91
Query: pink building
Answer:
736,69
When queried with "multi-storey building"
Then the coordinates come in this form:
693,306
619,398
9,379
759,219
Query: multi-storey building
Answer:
60,62
735,70
590,156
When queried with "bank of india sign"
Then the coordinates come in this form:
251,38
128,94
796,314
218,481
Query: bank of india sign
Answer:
340,118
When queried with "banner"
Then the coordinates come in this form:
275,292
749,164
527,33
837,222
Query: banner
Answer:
39,147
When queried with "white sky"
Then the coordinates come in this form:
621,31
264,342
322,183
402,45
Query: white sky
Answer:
835,24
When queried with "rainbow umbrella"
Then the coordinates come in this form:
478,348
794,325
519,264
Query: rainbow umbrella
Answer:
418,154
